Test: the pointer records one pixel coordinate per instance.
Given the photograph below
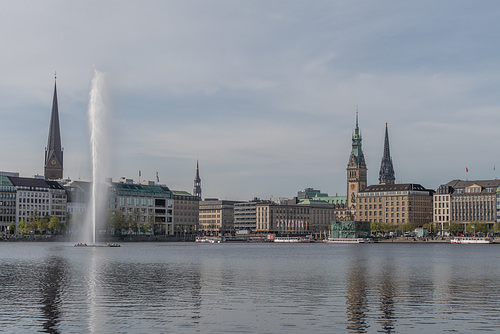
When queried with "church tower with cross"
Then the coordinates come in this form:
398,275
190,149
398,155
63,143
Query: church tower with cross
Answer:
54,151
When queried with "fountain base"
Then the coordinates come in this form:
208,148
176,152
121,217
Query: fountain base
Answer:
82,244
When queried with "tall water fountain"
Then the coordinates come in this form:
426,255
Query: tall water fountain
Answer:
99,140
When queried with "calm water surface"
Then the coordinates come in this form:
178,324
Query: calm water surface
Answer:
249,288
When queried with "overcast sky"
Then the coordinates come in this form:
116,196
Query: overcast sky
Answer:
263,93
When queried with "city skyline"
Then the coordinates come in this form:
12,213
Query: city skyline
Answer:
263,95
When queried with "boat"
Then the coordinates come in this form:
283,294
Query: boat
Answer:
291,239
471,240
348,240
210,240
113,245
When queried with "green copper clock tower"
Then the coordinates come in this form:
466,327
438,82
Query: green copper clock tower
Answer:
356,169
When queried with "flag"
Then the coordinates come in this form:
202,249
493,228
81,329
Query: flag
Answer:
157,177
466,169
139,173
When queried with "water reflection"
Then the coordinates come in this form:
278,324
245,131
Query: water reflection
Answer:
357,305
51,281
387,293
248,289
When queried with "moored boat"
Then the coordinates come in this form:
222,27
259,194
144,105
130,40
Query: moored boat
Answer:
291,239
348,240
210,240
471,240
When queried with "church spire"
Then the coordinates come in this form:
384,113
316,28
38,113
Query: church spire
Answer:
53,151
197,182
386,175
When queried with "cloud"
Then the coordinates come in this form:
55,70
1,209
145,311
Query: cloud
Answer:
263,93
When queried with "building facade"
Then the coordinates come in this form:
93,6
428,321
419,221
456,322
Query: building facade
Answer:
395,204
7,203
186,211
143,204
307,193
216,216
339,205
39,197
308,216
467,201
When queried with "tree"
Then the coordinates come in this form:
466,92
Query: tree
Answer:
388,227
54,224
477,227
26,227
456,228
42,224
406,227
118,222
431,227
12,228
150,224
376,227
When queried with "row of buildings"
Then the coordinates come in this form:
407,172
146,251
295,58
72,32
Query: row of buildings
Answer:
174,211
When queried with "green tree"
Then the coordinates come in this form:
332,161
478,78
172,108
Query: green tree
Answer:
12,228
150,225
54,224
456,228
406,227
376,227
21,226
26,227
431,227
42,224
477,227
118,222
388,227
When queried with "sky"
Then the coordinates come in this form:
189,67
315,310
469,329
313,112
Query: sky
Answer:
262,93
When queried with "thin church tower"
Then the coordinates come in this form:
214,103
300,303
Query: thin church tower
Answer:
386,174
54,152
197,182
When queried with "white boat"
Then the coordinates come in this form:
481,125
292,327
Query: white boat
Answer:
471,240
291,239
210,240
348,240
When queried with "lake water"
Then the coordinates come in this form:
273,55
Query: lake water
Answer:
249,288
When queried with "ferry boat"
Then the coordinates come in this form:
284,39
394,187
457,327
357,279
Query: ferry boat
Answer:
471,240
291,239
348,240
211,240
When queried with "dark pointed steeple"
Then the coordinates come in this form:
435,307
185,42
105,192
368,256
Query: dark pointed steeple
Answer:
53,151
386,175
197,182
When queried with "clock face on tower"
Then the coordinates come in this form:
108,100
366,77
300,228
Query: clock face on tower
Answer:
352,186
53,162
